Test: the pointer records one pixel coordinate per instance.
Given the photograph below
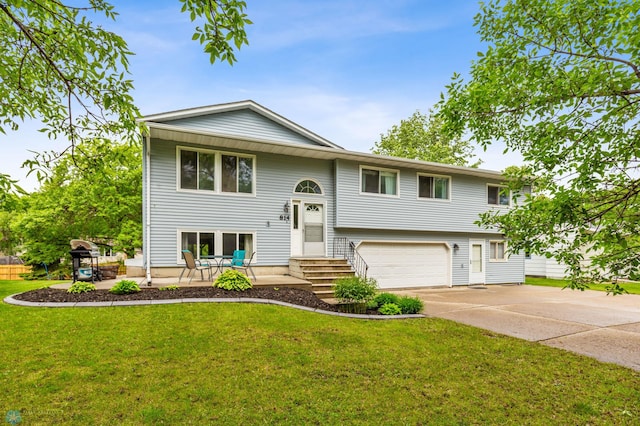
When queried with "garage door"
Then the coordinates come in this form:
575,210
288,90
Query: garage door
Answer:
407,264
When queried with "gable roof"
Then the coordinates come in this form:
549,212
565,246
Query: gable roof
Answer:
168,126
197,118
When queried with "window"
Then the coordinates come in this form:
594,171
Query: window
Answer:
497,195
377,181
436,187
197,170
497,250
236,241
308,187
201,244
237,174
212,171
209,243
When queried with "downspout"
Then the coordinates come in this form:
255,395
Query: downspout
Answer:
147,225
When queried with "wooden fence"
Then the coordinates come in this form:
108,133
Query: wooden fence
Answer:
12,272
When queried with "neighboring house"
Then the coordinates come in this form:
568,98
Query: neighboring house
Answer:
541,266
239,176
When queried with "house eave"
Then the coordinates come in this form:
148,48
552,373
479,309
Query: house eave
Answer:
191,136
234,106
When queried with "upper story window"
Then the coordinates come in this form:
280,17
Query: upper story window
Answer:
308,186
436,187
498,195
214,171
379,181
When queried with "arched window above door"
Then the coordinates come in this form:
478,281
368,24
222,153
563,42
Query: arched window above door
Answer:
308,186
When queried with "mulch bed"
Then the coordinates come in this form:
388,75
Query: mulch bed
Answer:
285,294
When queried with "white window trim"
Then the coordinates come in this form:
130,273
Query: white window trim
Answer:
218,241
380,169
307,193
494,185
497,260
218,172
437,200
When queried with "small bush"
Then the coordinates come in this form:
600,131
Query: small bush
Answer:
389,309
410,305
382,298
169,288
81,287
125,287
372,304
233,280
355,289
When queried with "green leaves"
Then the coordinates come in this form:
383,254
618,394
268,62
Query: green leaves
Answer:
222,26
559,82
421,137
60,67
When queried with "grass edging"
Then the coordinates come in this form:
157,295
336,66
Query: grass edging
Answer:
10,300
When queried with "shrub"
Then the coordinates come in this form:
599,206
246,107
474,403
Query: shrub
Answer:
125,287
81,287
410,305
382,298
233,280
355,289
169,288
389,309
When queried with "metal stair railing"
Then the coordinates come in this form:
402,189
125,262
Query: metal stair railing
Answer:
343,247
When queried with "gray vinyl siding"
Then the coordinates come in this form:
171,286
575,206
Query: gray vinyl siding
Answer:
468,198
511,271
242,123
276,177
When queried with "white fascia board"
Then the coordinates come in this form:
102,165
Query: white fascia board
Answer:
175,133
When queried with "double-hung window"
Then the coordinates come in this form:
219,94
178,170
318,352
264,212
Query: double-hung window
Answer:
497,251
498,195
435,187
214,171
379,181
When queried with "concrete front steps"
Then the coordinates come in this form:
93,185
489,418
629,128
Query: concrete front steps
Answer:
321,272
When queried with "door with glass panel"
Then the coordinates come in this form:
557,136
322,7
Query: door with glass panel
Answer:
313,243
476,262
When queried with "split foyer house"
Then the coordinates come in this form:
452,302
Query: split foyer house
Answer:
239,176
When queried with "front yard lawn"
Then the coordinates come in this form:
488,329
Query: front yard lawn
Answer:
632,288
247,364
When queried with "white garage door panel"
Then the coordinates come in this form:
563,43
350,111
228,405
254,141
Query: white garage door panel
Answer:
396,265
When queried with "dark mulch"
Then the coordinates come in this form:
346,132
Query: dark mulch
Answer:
291,295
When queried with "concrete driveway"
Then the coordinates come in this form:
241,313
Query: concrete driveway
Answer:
586,322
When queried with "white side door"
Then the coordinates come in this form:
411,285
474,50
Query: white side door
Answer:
476,262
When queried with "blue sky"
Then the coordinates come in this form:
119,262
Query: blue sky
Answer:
345,69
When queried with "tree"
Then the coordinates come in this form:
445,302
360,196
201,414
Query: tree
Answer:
85,198
560,82
58,66
420,137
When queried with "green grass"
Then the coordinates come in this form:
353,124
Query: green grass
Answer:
249,364
632,288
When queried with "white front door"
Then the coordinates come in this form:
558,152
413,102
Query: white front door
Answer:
313,229
476,262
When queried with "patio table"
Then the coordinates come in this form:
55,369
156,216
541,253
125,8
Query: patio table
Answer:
218,260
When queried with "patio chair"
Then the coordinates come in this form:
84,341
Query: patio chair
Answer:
236,260
244,266
192,265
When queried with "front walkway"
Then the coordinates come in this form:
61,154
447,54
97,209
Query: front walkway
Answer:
586,322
